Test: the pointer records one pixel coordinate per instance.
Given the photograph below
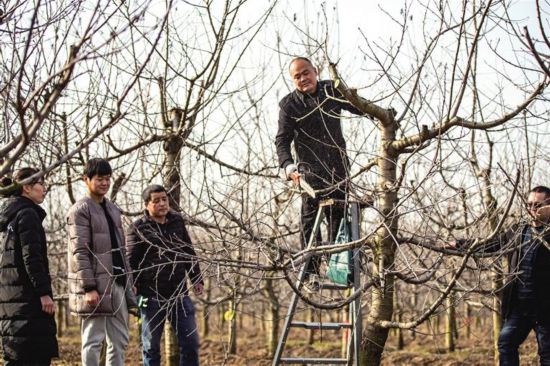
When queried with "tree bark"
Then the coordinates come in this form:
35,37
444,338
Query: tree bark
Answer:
375,337
398,331
171,349
311,332
59,317
206,309
172,150
272,319
450,324
232,347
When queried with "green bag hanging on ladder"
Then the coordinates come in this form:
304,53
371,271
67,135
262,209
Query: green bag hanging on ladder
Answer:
340,264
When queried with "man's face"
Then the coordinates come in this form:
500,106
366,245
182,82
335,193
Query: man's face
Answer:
158,205
98,185
538,205
304,76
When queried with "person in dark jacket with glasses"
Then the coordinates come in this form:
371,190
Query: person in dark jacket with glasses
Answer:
27,324
525,298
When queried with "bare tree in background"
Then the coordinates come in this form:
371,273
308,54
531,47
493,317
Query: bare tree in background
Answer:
55,75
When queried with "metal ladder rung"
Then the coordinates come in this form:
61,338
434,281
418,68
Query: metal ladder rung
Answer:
317,325
318,361
333,286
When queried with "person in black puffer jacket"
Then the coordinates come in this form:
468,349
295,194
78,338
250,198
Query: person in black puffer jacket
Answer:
27,324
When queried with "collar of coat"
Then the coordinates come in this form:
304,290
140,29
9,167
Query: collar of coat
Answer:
170,216
320,92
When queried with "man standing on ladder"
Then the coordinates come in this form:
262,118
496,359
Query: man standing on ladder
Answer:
310,117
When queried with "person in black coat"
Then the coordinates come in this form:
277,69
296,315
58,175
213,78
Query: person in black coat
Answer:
27,324
309,117
525,299
161,255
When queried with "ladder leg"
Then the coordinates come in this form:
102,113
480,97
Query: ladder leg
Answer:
294,299
357,318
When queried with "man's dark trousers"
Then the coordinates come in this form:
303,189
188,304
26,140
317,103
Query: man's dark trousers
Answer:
333,214
181,314
515,330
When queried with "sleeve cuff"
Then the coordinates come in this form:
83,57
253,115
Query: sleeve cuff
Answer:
290,168
43,290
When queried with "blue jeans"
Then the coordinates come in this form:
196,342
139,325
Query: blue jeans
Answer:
514,332
181,314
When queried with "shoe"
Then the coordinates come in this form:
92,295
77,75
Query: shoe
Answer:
311,285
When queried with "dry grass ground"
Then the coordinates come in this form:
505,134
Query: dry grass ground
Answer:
423,350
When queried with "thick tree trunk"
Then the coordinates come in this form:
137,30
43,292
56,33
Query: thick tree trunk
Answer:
311,332
171,350
59,317
172,149
232,347
272,319
414,302
450,324
375,337
205,320
398,331
491,206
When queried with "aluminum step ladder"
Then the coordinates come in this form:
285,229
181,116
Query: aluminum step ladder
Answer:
354,325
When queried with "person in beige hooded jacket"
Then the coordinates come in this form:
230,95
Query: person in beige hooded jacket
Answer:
98,275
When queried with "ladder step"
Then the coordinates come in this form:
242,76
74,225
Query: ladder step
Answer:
317,325
318,361
333,286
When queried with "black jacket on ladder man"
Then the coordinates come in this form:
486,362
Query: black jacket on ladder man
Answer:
310,117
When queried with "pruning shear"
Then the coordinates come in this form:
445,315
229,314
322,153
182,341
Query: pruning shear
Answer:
304,186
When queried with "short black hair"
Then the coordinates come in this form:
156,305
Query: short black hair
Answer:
300,58
153,188
541,189
97,166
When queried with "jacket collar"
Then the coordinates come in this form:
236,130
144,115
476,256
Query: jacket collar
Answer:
11,206
170,216
302,97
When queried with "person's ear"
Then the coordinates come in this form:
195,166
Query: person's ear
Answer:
27,188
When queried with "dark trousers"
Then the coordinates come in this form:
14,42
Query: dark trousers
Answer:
514,332
181,314
333,214
26,363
